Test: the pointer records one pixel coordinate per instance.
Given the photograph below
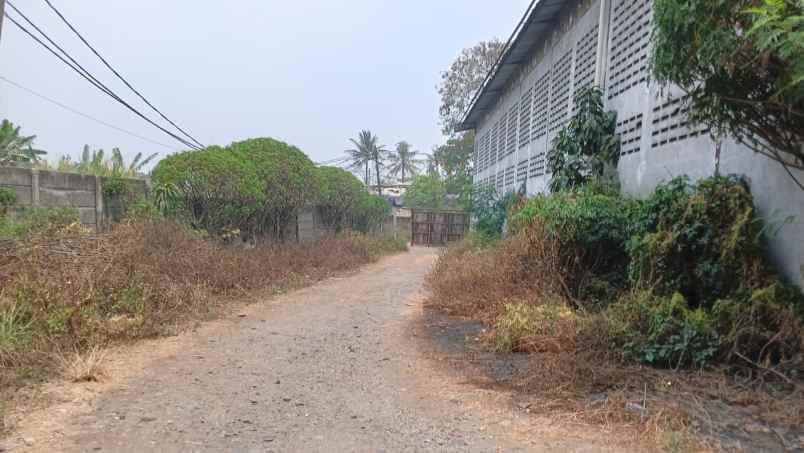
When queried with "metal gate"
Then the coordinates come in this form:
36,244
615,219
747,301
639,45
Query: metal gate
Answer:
437,228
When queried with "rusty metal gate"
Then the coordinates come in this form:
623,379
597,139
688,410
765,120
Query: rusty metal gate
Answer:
437,228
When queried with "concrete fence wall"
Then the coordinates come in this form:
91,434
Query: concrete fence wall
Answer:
85,193
311,227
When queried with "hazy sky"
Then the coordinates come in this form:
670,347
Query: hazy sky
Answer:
312,73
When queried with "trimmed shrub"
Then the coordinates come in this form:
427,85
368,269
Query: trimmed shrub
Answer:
370,212
339,195
255,186
218,189
287,179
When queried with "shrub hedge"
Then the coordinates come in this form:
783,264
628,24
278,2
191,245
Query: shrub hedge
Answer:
678,279
257,187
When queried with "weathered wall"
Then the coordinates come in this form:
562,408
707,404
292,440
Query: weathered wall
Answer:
311,228
657,143
69,190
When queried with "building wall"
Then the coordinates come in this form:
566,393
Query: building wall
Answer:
657,144
52,189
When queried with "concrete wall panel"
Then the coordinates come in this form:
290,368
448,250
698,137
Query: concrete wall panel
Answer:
66,181
66,198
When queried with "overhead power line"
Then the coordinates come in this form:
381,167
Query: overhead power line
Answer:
79,113
106,63
91,79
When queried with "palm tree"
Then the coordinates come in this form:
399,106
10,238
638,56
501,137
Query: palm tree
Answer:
367,150
431,164
15,148
403,161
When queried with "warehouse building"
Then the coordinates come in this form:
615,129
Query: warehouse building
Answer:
562,46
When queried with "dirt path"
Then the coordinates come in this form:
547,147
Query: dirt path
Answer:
341,366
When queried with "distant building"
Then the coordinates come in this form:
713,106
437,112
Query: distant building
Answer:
563,46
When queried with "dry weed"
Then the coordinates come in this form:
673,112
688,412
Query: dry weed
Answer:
83,367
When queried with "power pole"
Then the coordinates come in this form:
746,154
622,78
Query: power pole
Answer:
2,15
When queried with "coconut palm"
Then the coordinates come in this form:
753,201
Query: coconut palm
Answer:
16,149
367,150
431,164
403,161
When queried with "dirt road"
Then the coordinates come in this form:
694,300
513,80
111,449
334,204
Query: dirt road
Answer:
342,366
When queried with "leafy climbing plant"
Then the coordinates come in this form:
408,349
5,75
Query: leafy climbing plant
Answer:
587,146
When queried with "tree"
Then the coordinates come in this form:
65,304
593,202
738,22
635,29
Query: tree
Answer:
403,161
431,165
16,149
455,160
586,146
426,191
463,79
741,65
367,150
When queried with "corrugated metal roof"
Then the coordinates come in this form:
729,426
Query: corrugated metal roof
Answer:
539,19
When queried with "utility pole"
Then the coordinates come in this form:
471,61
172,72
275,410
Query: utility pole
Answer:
2,15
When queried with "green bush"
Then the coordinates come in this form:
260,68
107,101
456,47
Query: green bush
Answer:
662,331
490,210
426,192
256,186
218,189
35,220
593,227
7,199
339,195
286,177
705,241
370,212
705,288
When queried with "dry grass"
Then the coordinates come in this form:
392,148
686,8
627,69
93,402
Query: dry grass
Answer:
83,367
516,289
70,290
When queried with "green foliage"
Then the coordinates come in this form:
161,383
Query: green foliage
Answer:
403,162
454,159
426,192
97,163
7,199
256,186
704,280
16,149
778,29
490,210
742,64
593,226
368,151
521,321
218,189
35,219
705,241
662,331
339,194
587,148
463,79
370,212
